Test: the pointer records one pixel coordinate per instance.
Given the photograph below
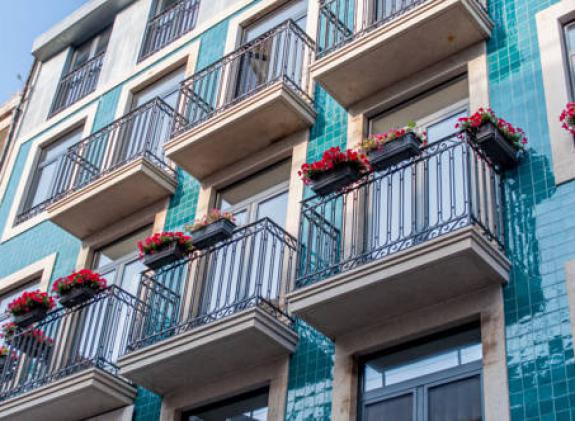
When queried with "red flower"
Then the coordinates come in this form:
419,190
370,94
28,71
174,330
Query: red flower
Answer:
512,134
83,277
332,158
158,241
29,301
567,117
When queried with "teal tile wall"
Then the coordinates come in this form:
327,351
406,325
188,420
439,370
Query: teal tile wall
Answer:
539,223
107,106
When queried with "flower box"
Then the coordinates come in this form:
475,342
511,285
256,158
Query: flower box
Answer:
171,253
77,296
395,151
498,149
330,181
26,319
213,233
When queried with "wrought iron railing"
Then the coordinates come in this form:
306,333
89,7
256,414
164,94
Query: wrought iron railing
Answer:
78,83
139,134
91,335
251,269
451,185
169,25
281,55
340,21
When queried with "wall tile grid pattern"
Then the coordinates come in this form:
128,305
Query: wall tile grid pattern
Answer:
540,359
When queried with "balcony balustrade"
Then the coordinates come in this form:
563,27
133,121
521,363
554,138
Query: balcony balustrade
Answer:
424,231
64,367
364,46
78,83
169,25
113,173
244,102
216,312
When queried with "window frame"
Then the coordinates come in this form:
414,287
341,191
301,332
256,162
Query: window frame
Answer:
419,387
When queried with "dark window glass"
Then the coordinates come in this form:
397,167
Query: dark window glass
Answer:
393,409
456,401
438,379
44,178
251,407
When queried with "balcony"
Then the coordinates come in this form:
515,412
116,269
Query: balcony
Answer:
72,375
215,312
113,173
366,46
169,25
77,84
239,105
420,233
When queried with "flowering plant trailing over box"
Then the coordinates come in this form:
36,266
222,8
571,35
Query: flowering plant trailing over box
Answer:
29,301
567,117
513,135
379,140
212,216
84,278
161,240
9,330
331,160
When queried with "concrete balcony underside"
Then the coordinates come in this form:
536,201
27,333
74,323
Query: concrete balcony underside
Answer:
401,47
241,130
204,354
112,197
441,269
83,395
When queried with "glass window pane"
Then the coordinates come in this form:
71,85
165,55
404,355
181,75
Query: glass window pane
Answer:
131,276
295,10
120,249
247,407
443,128
165,88
456,401
275,209
421,360
395,409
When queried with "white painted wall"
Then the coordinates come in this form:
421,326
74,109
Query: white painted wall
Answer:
210,8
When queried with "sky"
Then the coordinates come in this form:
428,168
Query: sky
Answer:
21,21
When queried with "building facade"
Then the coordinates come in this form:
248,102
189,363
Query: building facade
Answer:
439,288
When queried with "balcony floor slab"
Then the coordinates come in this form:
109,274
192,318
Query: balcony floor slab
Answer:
444,268
246,339
241,130
114,196
79,396
397,49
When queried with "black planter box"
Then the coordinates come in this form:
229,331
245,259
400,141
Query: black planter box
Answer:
499,151
76,296
213,233
395,151
338,178
172,253
25,320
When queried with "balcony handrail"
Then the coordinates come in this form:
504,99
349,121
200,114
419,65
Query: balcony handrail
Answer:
111,147
451,185
90,335
210,90
251,269
86,76
180,18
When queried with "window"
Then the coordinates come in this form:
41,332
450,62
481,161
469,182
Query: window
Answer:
166,88
82,72
119,262
249,407
90,49
260,65
570,47
262,195
45,175
5,299
437,379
